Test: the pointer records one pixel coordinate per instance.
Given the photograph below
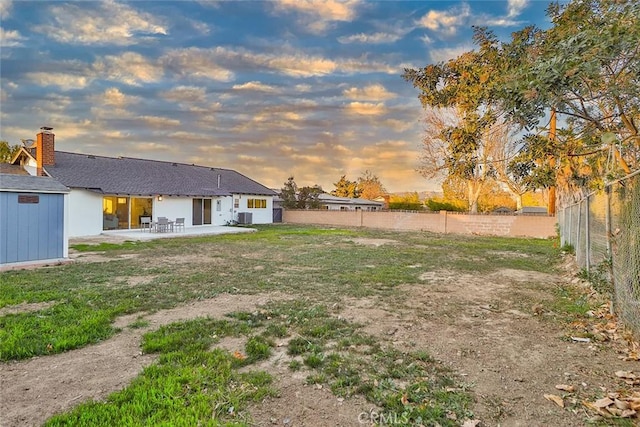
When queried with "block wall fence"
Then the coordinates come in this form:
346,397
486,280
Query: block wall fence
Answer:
536,226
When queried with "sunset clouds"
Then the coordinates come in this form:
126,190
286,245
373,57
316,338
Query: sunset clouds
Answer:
310,88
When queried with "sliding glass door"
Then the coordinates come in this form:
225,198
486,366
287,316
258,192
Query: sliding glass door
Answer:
201,211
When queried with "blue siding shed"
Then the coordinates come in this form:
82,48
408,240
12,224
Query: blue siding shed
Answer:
32,219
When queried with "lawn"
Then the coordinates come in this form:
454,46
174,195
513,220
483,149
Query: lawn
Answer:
321,271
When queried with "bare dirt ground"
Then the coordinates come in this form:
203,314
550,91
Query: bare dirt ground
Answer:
490,330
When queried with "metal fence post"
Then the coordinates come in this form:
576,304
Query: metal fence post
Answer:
587,236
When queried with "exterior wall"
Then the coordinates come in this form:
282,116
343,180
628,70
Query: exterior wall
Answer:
442,222
339,207
225,214
32,231
85,213
174,207
260,215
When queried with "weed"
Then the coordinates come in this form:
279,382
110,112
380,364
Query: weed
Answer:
258,348
314,360
295,365
139,323
600,278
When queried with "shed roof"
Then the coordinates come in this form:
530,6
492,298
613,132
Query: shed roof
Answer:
32,184
131,176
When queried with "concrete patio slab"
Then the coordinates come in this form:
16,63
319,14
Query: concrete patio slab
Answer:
119,236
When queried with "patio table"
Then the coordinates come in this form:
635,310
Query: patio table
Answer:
162,226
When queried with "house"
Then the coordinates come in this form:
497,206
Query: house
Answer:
108,193
33,219
532,210
332,203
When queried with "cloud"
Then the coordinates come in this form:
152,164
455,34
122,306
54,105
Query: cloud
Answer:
374,38
255,86
130,68
107,23
5,8
205,63
113,97
447,53
64,81
317,15
160,122
10,38
366,108
198,62
515,7
446,22
375,92
398,125
185,94
200,27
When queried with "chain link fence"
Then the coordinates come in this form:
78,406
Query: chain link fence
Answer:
603,228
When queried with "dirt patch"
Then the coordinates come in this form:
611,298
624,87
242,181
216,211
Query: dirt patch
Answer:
25,307
509,356
300,404
374,242
97,256
507,254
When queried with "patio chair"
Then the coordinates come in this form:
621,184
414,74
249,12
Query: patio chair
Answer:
145,222
163,224
179,223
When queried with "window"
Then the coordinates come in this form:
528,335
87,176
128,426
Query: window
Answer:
257,203
236,203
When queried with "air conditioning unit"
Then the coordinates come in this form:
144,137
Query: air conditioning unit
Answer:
245,217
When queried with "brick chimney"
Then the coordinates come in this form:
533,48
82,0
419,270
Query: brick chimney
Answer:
45,146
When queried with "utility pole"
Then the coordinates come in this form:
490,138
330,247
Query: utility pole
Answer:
551,205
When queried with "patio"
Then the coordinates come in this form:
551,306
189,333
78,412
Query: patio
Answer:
118,236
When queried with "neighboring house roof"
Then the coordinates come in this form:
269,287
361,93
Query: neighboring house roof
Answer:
28,183
8,168
125,175
533,210
329,199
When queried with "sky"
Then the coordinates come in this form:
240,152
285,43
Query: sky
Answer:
304,88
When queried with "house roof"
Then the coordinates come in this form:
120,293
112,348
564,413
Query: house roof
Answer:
28,183
8,168
130,176
329,199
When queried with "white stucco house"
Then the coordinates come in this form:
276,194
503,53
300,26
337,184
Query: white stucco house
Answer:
332,203
115,192
335,203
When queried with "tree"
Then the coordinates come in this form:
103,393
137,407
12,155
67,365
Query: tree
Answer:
309,197
346,188
289,194
7,151
300,198
460,98
505,149
586,68
369,186
451,150
408,201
